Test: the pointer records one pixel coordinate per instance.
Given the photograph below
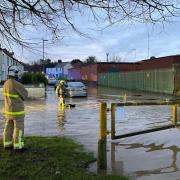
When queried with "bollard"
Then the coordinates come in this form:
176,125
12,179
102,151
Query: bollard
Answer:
103,121
102,156
124,98
174,119
113,157
113,109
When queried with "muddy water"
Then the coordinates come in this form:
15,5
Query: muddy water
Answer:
149,156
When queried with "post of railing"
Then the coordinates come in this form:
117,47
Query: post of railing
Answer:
113,109
125,98
103,121
174,119
113,158
102,155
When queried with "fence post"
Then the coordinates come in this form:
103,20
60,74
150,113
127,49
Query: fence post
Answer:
102,155
103,121
113,158
174,119
125,98
113,108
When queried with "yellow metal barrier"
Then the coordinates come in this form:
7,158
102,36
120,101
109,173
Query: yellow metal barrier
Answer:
103,121
103,118
174,119
124,98
102,155
146,103
113,109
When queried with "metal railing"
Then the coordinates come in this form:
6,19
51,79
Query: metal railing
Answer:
103,118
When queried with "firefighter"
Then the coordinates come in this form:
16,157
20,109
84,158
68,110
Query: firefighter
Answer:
61,92
14,95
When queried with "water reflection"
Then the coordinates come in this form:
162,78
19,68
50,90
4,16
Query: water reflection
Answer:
116,166
102,157
103,161
61,119
163,166
119,159
118,95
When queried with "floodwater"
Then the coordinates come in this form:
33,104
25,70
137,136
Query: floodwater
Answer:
144,157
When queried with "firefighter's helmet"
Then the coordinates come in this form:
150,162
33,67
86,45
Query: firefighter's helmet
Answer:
13,71
62,82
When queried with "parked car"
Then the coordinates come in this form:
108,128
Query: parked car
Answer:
51,80
76,89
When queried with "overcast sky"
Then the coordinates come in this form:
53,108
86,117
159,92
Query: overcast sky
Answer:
130,42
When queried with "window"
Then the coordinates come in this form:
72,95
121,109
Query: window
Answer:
8,63
2,58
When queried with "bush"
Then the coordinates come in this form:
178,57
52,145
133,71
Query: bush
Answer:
33,78
26,78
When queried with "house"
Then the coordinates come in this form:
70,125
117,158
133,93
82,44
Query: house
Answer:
60,71
7,59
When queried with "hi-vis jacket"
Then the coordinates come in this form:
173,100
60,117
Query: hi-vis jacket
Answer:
14,95
60,90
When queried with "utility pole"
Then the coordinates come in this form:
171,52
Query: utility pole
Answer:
43,55
135,54
148,48
107,54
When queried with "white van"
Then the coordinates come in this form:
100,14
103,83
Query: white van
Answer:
51,80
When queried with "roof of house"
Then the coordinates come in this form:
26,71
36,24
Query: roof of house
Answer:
62,64
11,54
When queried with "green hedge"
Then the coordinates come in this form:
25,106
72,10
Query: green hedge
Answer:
33,78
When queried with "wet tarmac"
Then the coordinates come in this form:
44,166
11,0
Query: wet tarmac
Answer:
143,157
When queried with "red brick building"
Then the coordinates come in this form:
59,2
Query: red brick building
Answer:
90,72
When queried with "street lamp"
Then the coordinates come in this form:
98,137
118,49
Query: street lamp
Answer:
107,54
43,53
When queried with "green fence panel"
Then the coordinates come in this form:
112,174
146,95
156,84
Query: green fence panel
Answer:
158,80
177,79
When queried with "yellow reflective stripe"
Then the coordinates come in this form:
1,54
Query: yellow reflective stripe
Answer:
19,145
11,95
8,143
21,142
16,146
15,113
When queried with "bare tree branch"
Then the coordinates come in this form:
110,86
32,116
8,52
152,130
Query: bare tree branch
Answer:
58,15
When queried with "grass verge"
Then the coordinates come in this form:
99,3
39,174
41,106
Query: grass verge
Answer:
48,158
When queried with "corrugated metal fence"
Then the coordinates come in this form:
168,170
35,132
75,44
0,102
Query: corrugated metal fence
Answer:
159,80
177,80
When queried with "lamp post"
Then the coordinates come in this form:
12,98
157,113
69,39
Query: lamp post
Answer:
43,53
107,54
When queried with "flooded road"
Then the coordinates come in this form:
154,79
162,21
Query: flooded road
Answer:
150,156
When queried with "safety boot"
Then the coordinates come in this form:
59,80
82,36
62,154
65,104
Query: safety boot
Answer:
8,148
